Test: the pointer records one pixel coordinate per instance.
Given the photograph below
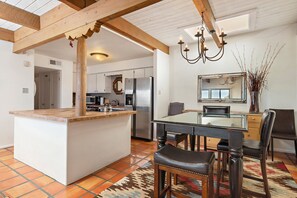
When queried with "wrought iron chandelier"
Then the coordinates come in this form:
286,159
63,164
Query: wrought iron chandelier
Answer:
202,49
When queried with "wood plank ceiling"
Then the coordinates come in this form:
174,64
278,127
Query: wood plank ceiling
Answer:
167,20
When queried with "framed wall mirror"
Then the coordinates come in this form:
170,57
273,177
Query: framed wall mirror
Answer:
117,85
225,88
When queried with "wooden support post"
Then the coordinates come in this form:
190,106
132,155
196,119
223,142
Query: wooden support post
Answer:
81,34
81,75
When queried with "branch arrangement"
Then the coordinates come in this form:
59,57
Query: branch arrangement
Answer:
257,75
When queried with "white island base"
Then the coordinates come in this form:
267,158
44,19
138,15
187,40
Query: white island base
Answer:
69,151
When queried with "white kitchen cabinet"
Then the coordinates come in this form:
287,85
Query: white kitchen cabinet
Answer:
148,72
92,83
74,82
115,73
103,83
138,73
126,74
99,83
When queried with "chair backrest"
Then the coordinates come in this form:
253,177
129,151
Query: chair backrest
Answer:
216,109
175,108
284,122
267,122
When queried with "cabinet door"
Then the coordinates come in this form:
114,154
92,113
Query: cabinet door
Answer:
126,74
101,83
148,72
92,83
108,84
138,73
74,82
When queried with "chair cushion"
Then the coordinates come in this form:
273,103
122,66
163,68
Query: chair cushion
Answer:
178,137
198,162
223,145
251,148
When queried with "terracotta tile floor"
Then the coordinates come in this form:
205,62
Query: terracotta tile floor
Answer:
19,180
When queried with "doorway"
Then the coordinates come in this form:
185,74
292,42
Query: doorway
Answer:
47,88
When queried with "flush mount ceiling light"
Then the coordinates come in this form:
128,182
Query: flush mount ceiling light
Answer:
202,49
99,56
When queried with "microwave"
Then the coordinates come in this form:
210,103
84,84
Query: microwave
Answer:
91,100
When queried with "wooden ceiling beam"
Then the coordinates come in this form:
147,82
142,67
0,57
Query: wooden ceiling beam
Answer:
6,35
101,10
78,4
203,6
19,16
48,18
127,29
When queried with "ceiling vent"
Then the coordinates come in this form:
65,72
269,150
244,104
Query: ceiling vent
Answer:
55,62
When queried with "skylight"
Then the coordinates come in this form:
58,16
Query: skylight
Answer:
38,7
232,25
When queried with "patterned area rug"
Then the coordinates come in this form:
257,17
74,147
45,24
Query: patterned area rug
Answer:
140,183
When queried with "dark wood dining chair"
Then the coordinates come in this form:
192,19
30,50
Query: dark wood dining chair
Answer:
174,109
209,110
253,149
284,128
196,165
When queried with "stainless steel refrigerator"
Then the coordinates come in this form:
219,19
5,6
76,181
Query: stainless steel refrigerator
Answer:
139,96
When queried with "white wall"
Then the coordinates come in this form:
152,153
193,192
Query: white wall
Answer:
162,80
122,65
282,80
13,78
66,77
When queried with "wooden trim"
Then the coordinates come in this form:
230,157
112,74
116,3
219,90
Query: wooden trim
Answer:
203,6
129,30
85,31
78,4
101,10
6,35
19,16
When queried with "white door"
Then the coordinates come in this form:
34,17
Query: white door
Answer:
44,91
55,89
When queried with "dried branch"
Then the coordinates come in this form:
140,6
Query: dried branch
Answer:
257,75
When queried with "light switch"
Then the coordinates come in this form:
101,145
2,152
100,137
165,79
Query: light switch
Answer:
25,90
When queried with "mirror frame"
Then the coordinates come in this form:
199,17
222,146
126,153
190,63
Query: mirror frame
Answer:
115,86
230,100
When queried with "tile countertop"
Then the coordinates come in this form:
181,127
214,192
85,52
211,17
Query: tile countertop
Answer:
68,114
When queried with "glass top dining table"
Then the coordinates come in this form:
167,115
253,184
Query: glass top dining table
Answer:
227,121
224,126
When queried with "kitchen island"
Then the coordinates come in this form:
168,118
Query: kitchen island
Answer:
68,147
